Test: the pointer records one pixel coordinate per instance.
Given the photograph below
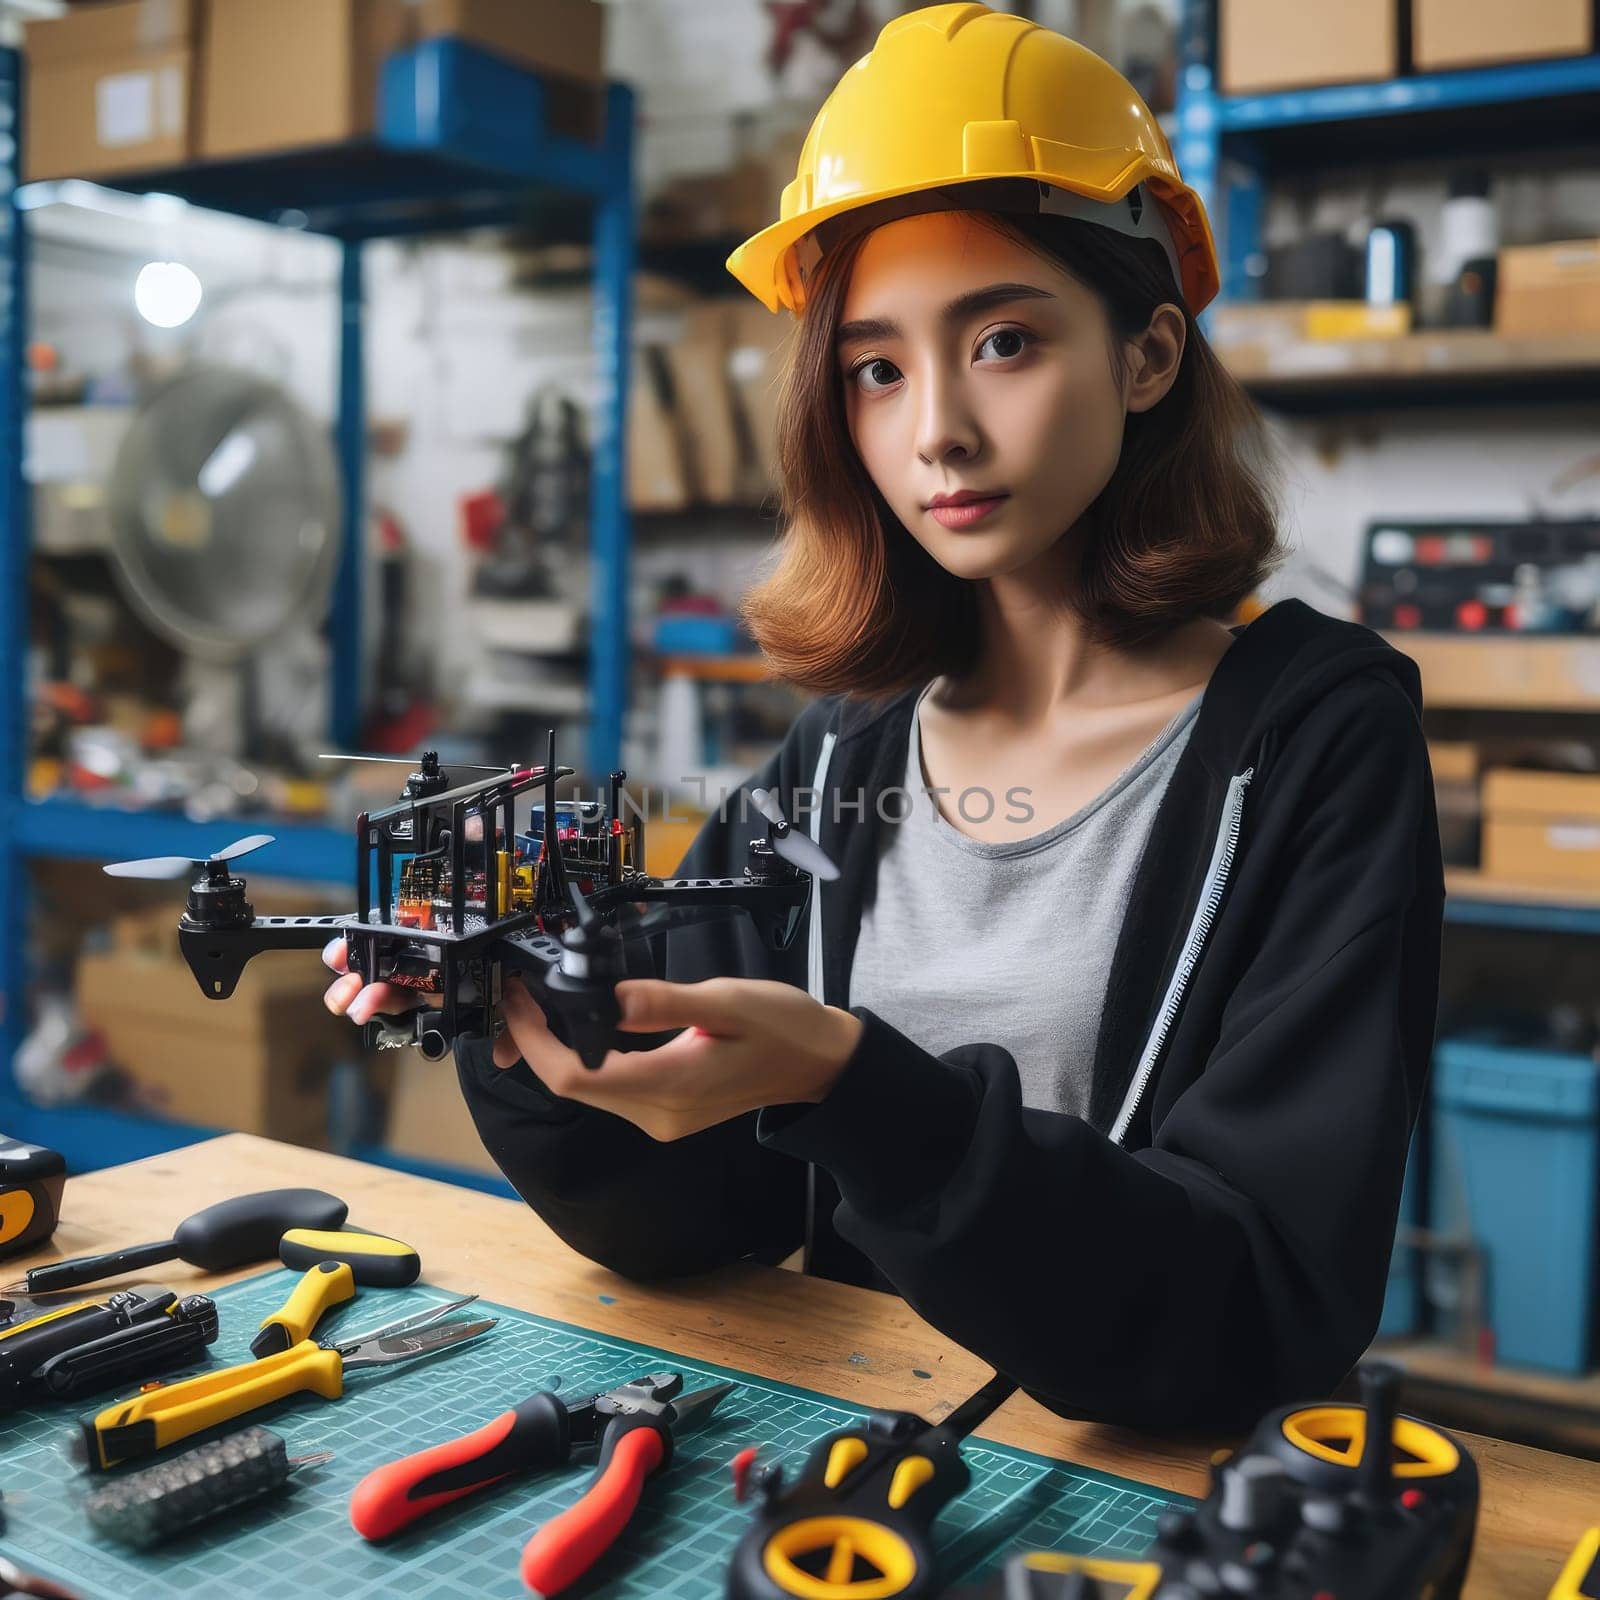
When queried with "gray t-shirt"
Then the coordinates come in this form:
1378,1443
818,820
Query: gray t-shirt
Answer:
964,941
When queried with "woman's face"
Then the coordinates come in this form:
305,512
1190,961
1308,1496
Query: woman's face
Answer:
973,365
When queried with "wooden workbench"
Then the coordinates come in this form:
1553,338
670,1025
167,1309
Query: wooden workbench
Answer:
863,1347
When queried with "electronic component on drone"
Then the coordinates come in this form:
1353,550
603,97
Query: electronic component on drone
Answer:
451,896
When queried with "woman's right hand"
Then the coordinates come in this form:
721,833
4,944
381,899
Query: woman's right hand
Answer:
350,995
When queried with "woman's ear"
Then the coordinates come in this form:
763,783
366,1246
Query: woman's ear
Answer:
1153,358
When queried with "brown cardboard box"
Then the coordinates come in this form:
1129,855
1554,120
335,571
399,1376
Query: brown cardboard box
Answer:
1548,289
1265,44
757,342
295,72
109,28
109,89
561,36
1453,761
257,1062
657,476
1457,800
1542,827
703,400
428,1118
1476,33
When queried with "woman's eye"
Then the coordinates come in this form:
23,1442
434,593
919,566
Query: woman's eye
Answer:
1007,342
871,376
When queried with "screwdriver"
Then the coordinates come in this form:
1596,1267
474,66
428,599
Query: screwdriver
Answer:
142,1508
329,1283
376,1260
232,1233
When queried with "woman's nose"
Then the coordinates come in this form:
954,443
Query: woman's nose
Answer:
946,428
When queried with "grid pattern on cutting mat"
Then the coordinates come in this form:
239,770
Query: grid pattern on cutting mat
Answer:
300,1543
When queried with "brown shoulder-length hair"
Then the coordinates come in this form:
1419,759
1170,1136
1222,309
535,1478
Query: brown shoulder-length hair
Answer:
1185,528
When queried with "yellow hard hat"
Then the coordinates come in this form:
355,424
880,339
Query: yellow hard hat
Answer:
954,95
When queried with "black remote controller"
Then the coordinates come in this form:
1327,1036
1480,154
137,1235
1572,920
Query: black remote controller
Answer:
1304,1511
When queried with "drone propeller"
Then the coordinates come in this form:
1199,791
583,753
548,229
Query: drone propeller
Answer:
411,761
176,866
798,849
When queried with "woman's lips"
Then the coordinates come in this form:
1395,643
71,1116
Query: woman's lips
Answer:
968,512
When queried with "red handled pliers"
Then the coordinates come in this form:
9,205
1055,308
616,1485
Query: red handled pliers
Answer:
632,1427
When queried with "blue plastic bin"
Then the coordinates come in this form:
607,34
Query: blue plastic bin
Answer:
1515,1167
1402,1298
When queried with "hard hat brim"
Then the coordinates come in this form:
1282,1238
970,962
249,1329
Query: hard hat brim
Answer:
765,265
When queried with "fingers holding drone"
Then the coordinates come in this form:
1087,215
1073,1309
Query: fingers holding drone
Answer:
349,995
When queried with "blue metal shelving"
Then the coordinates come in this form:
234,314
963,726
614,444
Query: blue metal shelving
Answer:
1546,917
464,139
1228,146
1419,96
70,830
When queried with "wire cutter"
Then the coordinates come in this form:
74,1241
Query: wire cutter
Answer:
631,1426
164,1413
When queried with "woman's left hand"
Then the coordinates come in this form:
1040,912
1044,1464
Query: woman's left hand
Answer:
746,1043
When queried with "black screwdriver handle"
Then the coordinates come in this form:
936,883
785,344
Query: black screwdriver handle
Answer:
90,1269
535,1434
231,1233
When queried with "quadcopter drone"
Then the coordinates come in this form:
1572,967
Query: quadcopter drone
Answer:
451,898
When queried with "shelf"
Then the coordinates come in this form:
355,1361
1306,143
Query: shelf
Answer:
1444,114
1499,672
1478,901
1547,1410
1453,365
72,830
464,139
715,669
1436,1359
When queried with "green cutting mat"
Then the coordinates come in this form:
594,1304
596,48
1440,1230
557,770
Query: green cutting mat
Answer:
300,1543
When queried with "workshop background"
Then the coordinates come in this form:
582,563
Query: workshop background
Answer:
372,383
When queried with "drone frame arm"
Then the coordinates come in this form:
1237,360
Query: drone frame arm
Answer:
217,956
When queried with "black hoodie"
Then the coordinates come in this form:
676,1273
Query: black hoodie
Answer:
1213,1239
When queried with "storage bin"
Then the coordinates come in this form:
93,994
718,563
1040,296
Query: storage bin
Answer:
1514,1167
1402,1299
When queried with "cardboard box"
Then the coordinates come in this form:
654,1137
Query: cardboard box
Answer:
1542,827
703,399
294,73
658,479
1548,289
1264,45
428,1118
1477,33
560,36
109,89
757,343
1453,761
257,1062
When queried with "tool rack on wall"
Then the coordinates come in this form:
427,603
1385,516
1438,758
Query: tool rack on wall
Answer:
464,140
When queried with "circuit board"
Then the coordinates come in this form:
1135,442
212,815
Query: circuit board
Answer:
300,1543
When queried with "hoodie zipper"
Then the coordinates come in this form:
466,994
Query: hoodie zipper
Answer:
1199,927
814,974
814,929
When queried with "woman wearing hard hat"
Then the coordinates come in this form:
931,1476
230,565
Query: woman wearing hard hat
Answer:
1104,1047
